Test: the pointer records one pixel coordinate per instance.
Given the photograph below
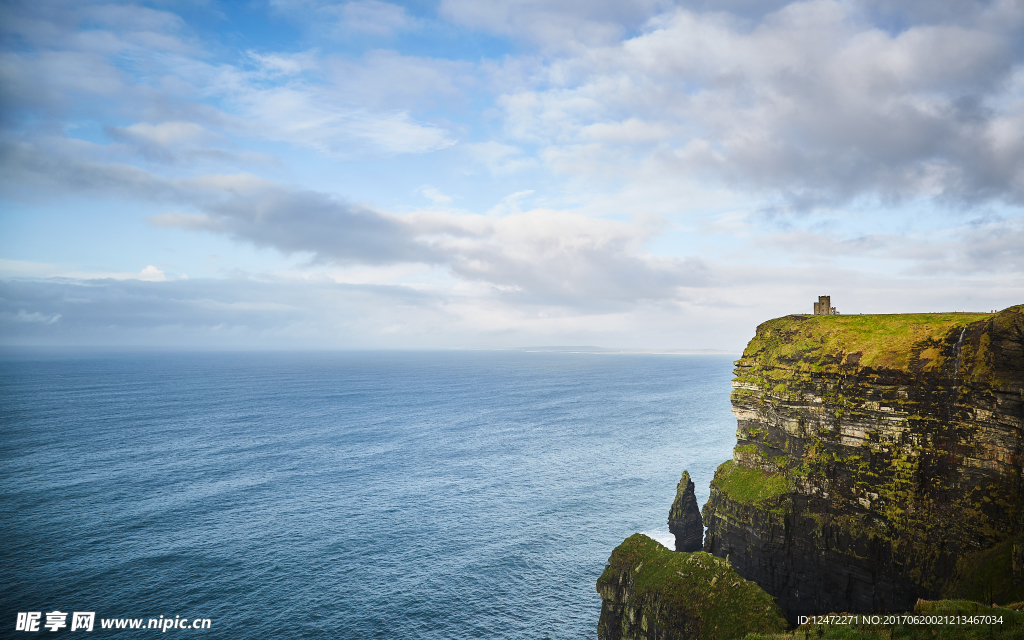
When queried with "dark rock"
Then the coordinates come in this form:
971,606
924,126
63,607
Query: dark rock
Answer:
684,519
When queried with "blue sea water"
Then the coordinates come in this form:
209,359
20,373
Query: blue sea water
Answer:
443,495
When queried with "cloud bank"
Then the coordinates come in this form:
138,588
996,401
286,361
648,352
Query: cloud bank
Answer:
649,173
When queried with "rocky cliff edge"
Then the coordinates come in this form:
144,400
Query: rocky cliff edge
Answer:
877,461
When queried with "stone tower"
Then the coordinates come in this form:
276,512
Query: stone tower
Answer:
823,307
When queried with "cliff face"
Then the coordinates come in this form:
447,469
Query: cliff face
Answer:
877,461
651,593
684,519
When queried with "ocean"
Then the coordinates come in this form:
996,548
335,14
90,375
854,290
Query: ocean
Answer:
447,495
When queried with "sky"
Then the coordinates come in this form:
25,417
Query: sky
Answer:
470,174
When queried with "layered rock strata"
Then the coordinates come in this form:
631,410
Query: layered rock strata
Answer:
684,519
877,460
651,593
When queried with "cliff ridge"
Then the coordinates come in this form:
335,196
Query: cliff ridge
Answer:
877,460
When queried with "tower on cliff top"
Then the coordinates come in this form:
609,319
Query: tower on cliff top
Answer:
823,307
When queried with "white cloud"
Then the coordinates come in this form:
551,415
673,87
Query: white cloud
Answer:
306,117
662,164
383,79
181,101
332,19
22,316
434,195
500,158
152,274
181,143
374,17
166,133
813,103
288,313
630,130
195,221
133,19
273,64
512,203
545,253
516,248
554,24
26,269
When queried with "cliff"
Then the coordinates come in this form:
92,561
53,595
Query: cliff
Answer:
877,461
651,593
684,519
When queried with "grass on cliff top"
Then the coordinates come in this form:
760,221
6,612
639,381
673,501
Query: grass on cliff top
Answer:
674,586
882,340
748,486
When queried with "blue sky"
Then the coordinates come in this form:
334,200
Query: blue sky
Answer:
466,174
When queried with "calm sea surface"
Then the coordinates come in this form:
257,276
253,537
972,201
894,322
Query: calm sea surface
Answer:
439,495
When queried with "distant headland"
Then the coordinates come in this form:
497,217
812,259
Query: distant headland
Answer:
605,350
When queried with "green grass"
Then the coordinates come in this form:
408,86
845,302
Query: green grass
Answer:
749,486
694,589
877,340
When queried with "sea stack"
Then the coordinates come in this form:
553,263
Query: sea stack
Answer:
684,519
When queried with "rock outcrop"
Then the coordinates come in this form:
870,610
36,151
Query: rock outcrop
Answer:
684,519
651,593
878,461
